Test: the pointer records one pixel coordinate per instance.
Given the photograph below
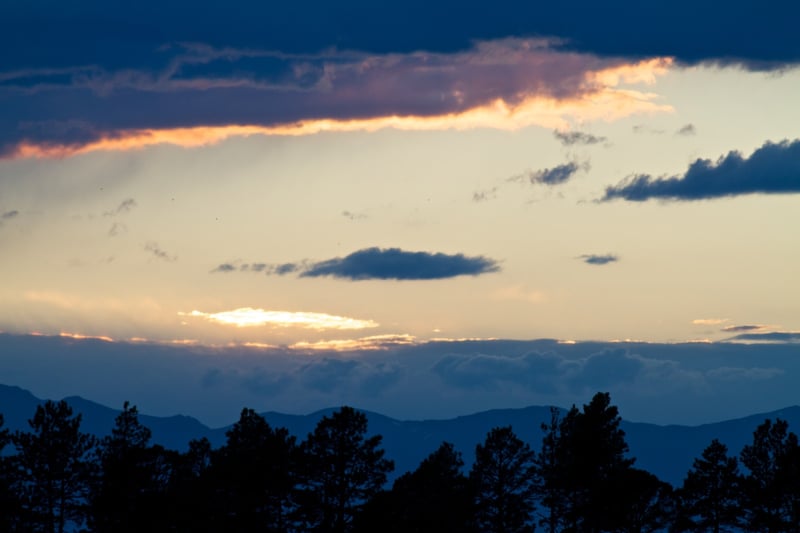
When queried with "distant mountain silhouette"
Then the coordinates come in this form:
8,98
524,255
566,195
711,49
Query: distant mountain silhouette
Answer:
666,451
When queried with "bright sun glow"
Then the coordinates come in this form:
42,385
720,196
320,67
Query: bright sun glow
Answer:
248,317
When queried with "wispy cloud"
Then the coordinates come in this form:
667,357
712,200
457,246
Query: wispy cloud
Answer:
743,327
125,206
774,168
484,195
556,175
687,130
598,259
789,337
571,138
157,252
8,215
550,177
117,228
709,321
250,317
351,215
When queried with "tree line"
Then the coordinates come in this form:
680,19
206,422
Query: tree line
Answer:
580,480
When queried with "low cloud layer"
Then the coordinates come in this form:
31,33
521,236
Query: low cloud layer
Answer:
378,264
774,168
663,383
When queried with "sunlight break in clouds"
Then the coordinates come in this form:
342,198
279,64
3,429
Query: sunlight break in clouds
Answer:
375,342
709,321
249,317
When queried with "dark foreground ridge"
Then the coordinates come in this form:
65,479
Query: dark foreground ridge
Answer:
582,475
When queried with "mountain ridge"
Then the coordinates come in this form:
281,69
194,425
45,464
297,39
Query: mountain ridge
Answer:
665,450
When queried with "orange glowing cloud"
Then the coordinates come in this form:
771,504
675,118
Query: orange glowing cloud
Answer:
249,317
600,96
78,336
375,342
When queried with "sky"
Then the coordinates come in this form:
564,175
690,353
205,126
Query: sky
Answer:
421,209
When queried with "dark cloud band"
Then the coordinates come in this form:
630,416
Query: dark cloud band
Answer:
379,264
774,168
394,263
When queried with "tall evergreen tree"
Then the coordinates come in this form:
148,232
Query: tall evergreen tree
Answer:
133,478
503,480
55,468
9,502
550,486
255,475
590,460
191,502
433,498
772,486
645,504
344,469
709,497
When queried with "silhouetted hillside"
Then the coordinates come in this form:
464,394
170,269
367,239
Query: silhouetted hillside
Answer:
666,451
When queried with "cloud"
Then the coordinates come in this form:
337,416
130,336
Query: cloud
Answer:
789,337
556,175
552,373
744,327
397,264
117,228
249,317
571,138
484,195
156,250
643,128
727,373
687,130
198,94
661,383
374,342
8,215
709,321
551,176
224,267
124,207
278,269
533,370
774,168
329,375
353,216
595,259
